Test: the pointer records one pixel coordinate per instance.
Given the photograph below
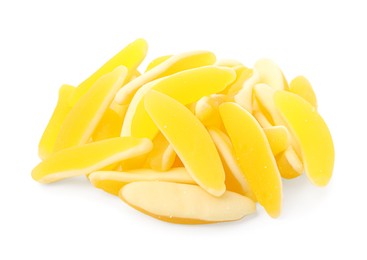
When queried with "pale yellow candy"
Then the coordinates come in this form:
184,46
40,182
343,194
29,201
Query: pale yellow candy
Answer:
254,156
278,137
230,63
130,57
235,178
170,66
264,95
289,164
185,203
232,131
310,133
262,119
162,157
113,181
206,110
190,140
242,75
84,117
186,87
46,145
271,74
244,97
84,159
157,61
302,87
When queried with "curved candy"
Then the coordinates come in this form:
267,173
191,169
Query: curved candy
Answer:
84,159
170,66
84,117
254,156
195,147
310,133
185,203
46,145
130,57
186,87
113,181
302,87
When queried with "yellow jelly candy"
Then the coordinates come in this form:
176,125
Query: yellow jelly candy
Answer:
289,164
130,57
157,61
162,157
191,140
235,179
271,74
84,159
84,117
195,147
172,65
133,163
264,95
46,145
186,87
109,126
113,181
262,119
244,97
111,122
302,87
254,155
185,203
242,74
278,138
310,133
206,110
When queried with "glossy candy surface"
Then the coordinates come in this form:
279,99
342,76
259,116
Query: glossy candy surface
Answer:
191,140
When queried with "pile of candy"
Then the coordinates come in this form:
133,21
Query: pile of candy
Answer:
190,140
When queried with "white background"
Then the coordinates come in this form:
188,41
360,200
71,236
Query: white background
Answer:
44,44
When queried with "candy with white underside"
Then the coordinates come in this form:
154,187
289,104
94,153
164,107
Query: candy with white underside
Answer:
190,140
225,149
270,74
157,61
170,66
242,75
289,164
244,96
302,87
254,156
206,110
130,57
264,95
310,133
84,117
186,87
113,181
162,157
84,159
262,119
185,203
